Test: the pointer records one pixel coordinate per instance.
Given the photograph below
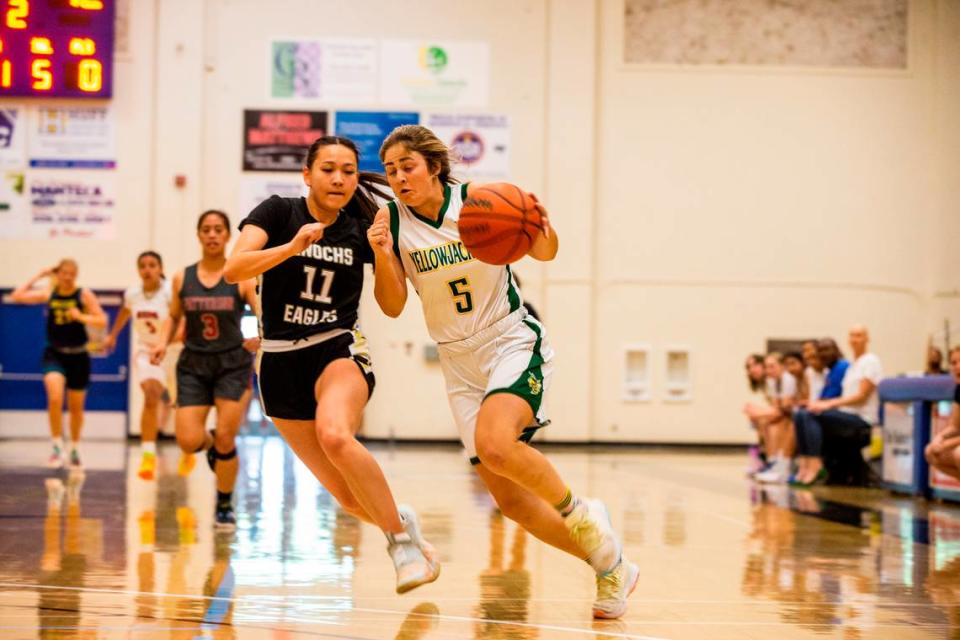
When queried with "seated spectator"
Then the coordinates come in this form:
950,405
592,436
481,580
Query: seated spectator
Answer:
793,363
835,365
831,424
827,368
774,420
756,378
934,362
815,373
943,452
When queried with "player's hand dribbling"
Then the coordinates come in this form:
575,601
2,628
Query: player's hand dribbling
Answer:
306,236
544,216
379,235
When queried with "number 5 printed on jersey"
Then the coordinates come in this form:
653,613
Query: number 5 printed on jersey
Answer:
463,299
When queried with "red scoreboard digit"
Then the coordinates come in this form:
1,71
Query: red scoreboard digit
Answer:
61,48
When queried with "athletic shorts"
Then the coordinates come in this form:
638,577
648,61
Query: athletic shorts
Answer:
201,377
144,370
75,367
511,356
288,378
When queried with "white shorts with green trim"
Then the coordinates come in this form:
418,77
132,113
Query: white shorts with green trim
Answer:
511,356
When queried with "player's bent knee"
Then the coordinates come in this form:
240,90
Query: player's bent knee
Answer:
492,456
333,440
190,442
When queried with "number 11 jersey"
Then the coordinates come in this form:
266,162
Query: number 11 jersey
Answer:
319,289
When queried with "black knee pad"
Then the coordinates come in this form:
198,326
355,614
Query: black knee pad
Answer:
213,455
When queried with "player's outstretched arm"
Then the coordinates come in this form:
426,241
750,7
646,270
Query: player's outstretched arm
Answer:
26,294
389,286
249,258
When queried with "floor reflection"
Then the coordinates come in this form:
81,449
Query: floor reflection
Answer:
504,585
103,554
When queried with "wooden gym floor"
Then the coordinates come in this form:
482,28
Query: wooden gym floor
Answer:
116,557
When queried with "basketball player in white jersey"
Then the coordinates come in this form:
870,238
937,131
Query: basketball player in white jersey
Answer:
496,360
148,303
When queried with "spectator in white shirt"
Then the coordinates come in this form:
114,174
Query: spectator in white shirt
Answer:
776,419
847,418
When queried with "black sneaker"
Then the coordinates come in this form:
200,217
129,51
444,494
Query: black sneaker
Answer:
224,517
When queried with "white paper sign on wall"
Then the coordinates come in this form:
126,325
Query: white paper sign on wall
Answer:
254,189
481,142
72,138
13,145
434,73
337,70
14,213
69,204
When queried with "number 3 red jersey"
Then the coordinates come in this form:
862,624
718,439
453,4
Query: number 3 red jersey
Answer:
213,314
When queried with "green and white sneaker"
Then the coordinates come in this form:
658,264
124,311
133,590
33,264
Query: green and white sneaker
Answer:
590,528
613,589
56,459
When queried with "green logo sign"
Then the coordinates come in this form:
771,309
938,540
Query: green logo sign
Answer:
433,58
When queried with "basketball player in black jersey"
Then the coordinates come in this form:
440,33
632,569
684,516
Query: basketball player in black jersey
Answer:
66,363
315,371
214,366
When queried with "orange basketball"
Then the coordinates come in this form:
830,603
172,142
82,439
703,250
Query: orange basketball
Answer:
499,222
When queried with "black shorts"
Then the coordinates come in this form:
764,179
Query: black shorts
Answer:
201,377
287,378
75,367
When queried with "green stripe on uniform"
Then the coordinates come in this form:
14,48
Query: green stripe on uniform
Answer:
463,191
512,294
395,226
529,386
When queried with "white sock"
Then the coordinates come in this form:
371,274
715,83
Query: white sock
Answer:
57,442
149,447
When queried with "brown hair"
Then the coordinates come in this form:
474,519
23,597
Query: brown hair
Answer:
425,142
363,203
755,385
